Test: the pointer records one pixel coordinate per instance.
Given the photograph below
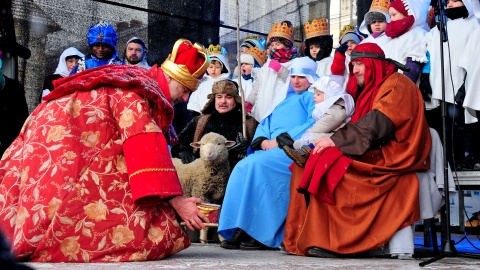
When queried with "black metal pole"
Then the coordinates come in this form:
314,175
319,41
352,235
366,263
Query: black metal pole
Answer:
448,250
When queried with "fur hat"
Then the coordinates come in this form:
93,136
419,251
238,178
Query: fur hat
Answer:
222,87
102,33
187,63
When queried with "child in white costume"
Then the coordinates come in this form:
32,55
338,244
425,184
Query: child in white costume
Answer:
375,22
274,74
461,32
250,63
406,28
217,70
333,108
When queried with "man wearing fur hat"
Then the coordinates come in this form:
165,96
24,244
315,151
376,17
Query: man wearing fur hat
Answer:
136,53
105,186
222,114
102,40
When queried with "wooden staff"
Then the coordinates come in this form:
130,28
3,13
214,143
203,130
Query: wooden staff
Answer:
240,89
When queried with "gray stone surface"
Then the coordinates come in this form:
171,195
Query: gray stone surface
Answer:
212,256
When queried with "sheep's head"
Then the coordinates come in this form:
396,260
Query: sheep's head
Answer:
213,146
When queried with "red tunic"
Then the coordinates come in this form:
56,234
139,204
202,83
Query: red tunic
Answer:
86,178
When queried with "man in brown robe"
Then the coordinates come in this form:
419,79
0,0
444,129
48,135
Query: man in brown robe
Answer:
359,185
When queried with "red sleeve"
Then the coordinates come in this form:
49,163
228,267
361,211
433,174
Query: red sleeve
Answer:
338,64
151,173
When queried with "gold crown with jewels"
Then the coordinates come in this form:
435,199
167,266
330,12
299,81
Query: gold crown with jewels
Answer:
215,49
349,28
282,30
259,55
380,6
318,27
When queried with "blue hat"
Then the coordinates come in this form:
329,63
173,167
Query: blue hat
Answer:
102,33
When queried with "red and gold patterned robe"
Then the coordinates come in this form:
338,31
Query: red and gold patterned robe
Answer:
86,179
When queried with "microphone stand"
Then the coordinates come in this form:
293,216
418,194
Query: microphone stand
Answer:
448,249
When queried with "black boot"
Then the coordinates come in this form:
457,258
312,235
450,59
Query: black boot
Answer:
252,244
234,243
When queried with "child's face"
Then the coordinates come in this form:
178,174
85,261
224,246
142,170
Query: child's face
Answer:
318,96
278,45
314,50
378,27
246,68
243,50
351,46
214,69
454,3
395,15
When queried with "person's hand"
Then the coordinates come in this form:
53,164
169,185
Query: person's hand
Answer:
275,65
342,48
322,143
188,212
241,144
248,107
431,21
284,139
269,144
186,156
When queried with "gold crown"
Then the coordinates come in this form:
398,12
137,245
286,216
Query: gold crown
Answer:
214,49
282,30
259,55
318,27
380,6
349,28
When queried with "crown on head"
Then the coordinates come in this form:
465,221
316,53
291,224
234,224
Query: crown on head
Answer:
215,49
318,27
380,6
259,55
282,30
349,28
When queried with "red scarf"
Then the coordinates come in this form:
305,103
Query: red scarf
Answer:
397,28
284,55
376,72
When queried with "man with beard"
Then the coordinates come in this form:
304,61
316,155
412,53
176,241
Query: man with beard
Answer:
222,114
359,187
136,53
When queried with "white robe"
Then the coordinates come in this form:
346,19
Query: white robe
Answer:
381,40
323,66
470,62
458,39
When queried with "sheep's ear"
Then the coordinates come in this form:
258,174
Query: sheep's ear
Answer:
229,144
195,144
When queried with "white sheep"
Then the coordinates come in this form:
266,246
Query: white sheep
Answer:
206,177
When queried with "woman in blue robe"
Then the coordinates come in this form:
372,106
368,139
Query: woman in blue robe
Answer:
256,200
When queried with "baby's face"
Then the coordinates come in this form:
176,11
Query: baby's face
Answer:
318,96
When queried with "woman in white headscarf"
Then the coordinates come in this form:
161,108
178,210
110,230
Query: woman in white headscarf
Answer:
67,61
256,200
